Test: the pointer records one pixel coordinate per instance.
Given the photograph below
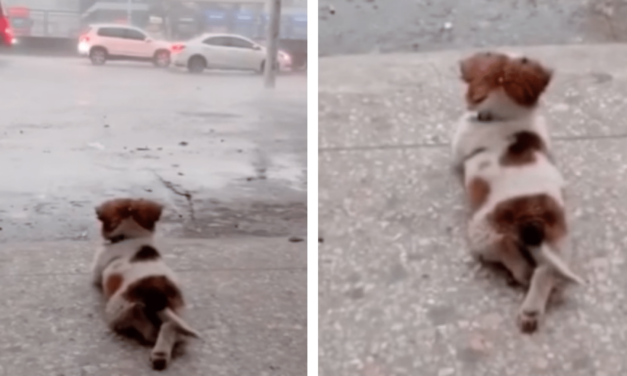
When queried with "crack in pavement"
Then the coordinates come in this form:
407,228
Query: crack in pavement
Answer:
185,193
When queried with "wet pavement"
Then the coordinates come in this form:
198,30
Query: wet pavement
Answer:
226,157
399,293
247,297
383,26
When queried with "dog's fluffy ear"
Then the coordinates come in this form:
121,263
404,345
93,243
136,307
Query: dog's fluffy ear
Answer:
477,65
114,209
526,80
146,213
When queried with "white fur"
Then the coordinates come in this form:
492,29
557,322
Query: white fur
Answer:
131,272
505,182
501,106
495,136
104,264
509,118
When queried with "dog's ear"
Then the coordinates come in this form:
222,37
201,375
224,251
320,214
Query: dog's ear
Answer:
116,209
477,65
146,213
111,213
526,80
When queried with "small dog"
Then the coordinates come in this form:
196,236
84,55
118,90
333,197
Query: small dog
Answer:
143,295
515,192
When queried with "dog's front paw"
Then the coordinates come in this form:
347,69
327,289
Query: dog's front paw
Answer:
528,321
159,360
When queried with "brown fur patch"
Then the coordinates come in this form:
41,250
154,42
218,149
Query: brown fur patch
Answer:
478,192
146,253
156,293
145,212
510,215
523,149
112,284
523,79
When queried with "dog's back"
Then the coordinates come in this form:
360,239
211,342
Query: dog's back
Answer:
495,136
138,274
521,167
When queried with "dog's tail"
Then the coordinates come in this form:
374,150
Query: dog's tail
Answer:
169,315
534,247
157,302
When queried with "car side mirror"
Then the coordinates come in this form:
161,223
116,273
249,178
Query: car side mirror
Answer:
256,47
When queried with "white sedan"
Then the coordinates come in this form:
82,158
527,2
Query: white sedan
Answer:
223,51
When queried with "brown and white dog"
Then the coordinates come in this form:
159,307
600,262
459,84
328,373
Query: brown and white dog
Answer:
143,294
514,190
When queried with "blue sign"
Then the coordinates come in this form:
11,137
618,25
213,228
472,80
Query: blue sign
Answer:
246,23
298,26
215,16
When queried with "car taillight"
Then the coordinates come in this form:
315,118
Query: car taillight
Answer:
177,47
84,38
6,29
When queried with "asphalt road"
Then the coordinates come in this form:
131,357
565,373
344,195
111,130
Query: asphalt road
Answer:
382,26
226,156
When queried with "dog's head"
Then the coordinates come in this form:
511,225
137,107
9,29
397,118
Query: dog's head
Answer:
499,82
128,218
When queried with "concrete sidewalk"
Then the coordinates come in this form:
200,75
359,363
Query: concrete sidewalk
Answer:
399,293
246,296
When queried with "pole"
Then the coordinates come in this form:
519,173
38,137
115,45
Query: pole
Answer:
129,11
273,43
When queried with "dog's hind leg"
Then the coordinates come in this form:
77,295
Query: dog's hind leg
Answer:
488,246
119,313
532,310
510,256
162,352
144,326
122,315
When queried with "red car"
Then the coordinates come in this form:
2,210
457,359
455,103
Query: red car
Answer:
6,34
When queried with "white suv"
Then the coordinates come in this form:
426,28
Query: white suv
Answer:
104,42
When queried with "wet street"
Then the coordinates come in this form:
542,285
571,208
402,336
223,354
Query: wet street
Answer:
226,157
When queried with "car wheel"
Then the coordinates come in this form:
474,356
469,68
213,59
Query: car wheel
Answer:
98,55
161,59
197,64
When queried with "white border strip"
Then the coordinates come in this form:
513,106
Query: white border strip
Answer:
312,188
